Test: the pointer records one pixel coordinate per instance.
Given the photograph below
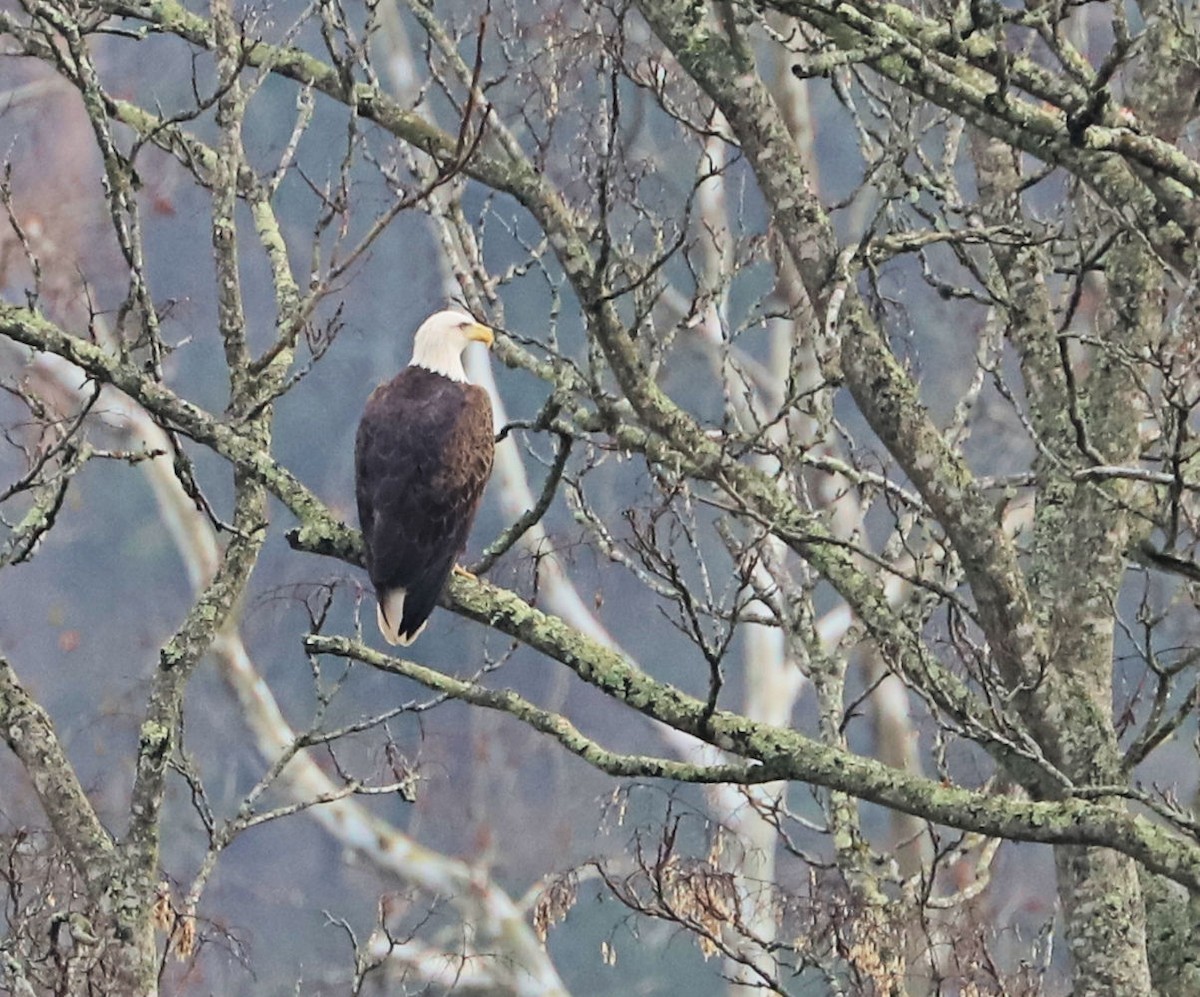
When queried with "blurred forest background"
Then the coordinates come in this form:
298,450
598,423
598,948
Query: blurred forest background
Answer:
887,551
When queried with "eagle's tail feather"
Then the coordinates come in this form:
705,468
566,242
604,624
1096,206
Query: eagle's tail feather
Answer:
391,607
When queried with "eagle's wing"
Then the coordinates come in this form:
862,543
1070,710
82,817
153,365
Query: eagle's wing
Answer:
422,458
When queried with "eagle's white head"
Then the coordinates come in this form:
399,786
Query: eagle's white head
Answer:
441,339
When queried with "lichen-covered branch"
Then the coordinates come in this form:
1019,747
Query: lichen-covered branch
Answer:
30,736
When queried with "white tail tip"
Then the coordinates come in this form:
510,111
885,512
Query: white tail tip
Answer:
394,602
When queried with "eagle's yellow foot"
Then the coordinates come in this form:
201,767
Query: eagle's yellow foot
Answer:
460,570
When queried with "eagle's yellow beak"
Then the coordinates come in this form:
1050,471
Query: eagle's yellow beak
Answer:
480,333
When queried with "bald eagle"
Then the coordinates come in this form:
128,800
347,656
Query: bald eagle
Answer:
421,459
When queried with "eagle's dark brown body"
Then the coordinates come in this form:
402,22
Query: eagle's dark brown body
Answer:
422,457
